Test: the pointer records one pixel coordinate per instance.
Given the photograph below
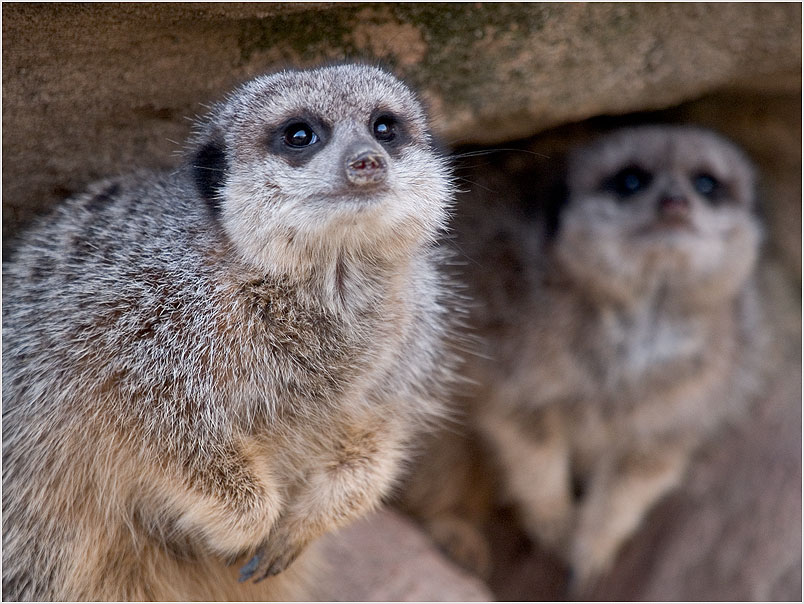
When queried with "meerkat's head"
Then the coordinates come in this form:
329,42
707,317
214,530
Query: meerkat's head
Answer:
660,206
300,166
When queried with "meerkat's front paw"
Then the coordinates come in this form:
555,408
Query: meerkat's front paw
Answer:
272,557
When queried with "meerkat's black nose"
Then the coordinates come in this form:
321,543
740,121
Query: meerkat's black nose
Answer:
366,167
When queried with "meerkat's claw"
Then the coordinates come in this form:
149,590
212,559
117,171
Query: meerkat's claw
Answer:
248,569
267,562
280,564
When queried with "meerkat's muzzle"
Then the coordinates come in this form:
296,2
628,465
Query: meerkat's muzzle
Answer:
366,167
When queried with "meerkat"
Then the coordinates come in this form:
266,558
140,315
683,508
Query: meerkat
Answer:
617,340
205,370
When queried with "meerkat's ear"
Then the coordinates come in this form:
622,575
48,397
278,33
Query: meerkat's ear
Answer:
209,166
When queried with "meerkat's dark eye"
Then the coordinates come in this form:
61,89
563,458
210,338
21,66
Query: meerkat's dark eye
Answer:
707,185
629,181
299,135
385,129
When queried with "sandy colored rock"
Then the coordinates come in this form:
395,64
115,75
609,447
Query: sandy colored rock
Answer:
387,558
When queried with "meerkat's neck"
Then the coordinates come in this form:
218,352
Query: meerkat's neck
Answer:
349,282
661,304
342,280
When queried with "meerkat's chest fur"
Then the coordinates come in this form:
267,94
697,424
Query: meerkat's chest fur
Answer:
643,345
315,345
652,371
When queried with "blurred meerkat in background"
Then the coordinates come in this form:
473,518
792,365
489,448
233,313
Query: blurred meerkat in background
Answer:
618,335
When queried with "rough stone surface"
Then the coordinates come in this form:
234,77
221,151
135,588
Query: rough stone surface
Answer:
89,90
385,557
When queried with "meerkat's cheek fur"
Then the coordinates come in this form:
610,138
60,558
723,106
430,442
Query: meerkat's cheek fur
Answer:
203,371
291,221
709,265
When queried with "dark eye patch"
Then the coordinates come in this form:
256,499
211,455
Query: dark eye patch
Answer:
389,130
709,187
628,181
300,135
385,128
298,138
